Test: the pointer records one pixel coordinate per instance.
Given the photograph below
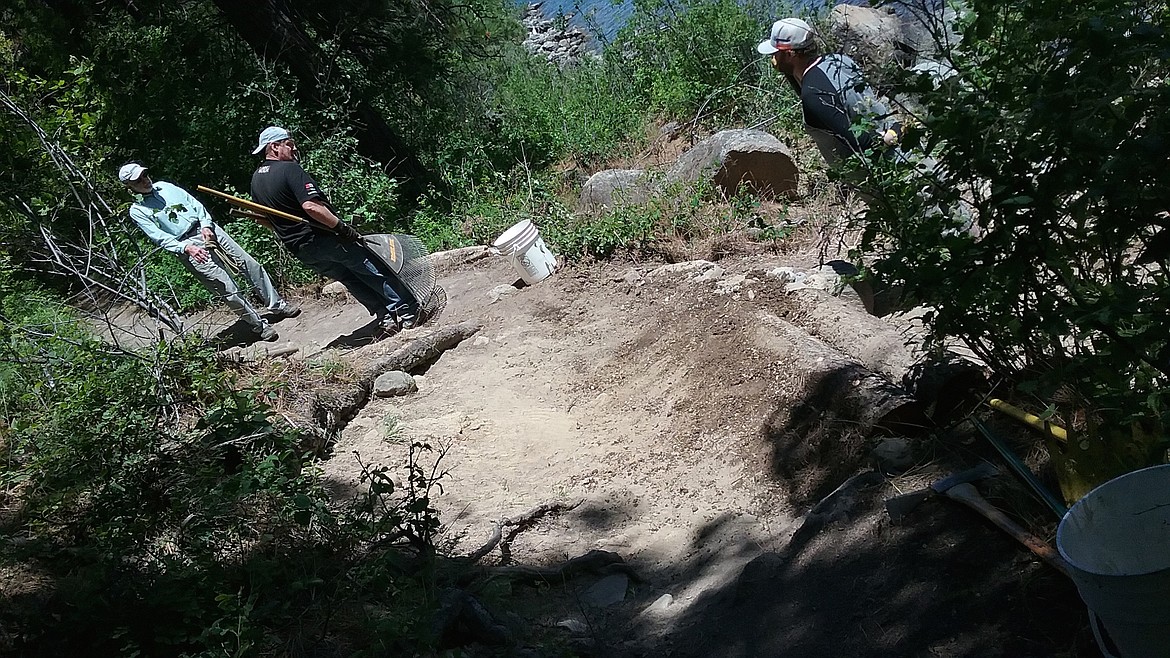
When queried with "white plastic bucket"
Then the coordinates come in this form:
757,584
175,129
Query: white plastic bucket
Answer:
523,246
1117,541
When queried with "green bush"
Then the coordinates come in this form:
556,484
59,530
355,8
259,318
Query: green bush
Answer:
584,112
696,59
169,515
1030,226
265,247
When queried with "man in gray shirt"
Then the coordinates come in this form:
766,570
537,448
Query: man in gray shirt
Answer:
833,92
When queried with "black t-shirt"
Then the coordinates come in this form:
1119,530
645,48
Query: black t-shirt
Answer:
284,185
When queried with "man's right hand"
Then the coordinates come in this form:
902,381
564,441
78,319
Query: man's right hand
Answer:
197,253
347,232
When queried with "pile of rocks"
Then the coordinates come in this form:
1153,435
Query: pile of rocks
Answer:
555,40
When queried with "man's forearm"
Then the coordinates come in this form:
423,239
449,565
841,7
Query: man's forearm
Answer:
320,213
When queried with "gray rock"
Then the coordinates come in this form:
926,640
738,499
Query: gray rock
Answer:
394,383
732,284
501,291
574,626
607,591
894,455
831,278
480,341
785,275
714,273
334,289
612,188
557,41
752,158
871,36
681,268
660,605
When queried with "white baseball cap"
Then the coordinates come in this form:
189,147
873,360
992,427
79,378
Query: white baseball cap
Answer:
131,172
271,134
787,34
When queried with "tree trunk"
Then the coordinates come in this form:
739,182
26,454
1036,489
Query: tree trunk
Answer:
274,31
839,383
948,384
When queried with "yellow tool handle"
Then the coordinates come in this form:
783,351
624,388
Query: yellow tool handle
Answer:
252,205
1056,431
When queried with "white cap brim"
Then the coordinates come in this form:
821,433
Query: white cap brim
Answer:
766,47
259,149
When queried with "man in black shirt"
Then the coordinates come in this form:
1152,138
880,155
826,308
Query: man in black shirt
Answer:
323,242
832,90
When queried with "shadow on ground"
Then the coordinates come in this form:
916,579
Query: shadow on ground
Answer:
363,335
850,582
941,584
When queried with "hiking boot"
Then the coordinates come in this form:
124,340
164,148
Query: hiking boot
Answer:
267,332
283,310
388,326
407,321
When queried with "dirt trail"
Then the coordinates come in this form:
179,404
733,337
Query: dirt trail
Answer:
661,403
579,390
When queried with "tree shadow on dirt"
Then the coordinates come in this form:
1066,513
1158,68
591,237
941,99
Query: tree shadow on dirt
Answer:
813,450
363,335
851,582
237,334
942,584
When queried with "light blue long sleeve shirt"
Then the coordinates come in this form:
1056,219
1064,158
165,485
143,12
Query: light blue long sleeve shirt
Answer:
167,214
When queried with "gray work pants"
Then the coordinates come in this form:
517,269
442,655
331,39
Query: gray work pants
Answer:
215,273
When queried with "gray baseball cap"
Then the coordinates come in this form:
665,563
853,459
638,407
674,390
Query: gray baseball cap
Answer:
271,134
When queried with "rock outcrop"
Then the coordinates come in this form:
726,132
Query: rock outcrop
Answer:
752,158
614,187
870,36
876,37
555,40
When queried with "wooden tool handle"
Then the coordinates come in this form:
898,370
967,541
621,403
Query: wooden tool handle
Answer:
967,494
251,205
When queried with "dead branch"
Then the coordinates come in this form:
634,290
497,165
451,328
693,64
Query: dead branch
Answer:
94,263
451,258
519,522
421,351
254,353
324,412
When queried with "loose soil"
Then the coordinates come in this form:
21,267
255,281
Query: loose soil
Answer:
696,454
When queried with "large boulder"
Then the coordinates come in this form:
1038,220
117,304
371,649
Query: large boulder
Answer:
873,37
876,37
614,187
752,158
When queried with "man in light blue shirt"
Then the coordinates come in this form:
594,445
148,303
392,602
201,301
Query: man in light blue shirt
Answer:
174,220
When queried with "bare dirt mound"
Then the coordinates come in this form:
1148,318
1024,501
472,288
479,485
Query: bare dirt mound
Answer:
696,451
